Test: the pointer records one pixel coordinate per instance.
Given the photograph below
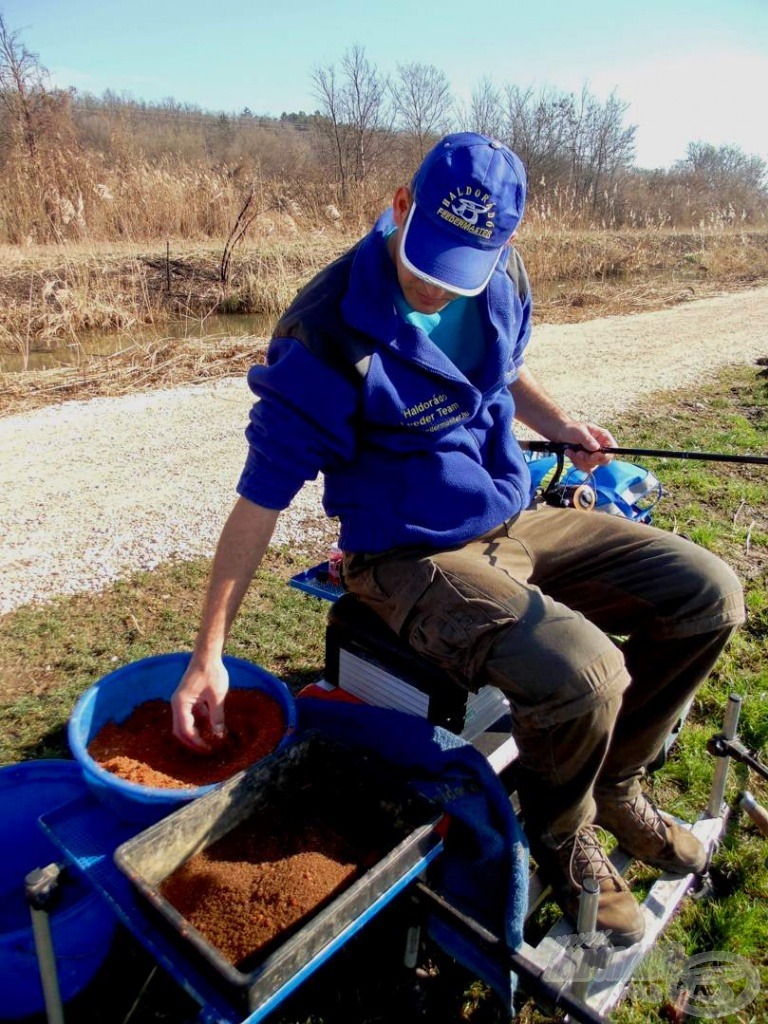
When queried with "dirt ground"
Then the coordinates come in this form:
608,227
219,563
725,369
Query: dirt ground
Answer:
92,490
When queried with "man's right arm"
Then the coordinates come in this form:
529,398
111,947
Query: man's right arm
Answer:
241,547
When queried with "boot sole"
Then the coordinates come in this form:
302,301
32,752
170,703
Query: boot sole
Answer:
675,870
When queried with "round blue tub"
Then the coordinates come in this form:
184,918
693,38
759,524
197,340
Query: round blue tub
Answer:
114,697
82,923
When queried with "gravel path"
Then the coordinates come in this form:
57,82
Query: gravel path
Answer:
91,490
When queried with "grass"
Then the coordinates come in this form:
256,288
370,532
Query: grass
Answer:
724,508
50,654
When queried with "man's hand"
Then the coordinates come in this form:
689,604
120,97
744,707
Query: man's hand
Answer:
592,438
199,697
539,411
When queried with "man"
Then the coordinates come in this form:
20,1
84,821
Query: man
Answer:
398,372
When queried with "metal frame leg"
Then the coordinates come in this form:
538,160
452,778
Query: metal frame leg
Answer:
756,812
39,886
586,928
730,725
530,974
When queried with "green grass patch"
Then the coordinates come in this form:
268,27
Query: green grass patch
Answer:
723,507
50,654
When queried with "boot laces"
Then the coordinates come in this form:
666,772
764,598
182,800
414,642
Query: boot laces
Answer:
648,817
590,859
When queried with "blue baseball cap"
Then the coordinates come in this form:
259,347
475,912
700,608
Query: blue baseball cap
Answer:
467,199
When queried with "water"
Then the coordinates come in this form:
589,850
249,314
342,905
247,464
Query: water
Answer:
105,343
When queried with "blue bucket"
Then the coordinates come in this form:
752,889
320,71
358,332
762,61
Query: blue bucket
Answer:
82,923
114,697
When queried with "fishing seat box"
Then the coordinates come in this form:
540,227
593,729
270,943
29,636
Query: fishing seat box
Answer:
366,658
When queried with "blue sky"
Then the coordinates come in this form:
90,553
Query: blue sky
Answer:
690,69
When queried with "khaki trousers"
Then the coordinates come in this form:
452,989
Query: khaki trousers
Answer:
598,629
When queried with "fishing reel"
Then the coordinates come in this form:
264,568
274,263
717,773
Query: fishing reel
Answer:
569,488
582,496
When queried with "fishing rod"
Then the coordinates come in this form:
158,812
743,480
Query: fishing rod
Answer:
560,447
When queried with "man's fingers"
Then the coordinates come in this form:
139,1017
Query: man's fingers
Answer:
586,461
216,718
185,728
198,707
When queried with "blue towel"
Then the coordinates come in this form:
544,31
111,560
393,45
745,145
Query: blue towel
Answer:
483,870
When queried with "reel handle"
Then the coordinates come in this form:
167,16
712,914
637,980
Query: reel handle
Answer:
756,811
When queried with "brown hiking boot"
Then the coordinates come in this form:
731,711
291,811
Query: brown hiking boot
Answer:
652,836
565,868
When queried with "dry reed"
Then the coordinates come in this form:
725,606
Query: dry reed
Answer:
51,295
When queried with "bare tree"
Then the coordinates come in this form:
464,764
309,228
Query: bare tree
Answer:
353,116
423,105
611,145
536,127
564,140
40,142
721,182
599,145
330,121
723,167
22,89
485,110
245,218
367,114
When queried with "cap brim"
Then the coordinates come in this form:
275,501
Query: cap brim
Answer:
436,257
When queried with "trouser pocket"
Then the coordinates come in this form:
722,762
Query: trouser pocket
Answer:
446,618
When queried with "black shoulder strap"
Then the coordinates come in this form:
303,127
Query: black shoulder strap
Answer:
517,274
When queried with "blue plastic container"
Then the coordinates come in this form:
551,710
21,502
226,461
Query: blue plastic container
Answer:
82,922
114,697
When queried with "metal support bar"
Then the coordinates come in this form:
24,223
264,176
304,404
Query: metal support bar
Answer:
39,886
589,899
530,974
586,927
730,725
411,953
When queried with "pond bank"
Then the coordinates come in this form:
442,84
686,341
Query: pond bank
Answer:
60,292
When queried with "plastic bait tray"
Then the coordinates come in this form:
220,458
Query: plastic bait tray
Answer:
317,582
314,777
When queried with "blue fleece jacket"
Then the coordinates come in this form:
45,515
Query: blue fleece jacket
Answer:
412,451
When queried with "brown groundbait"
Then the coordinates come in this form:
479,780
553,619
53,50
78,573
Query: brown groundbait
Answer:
260,881
249,888
142,749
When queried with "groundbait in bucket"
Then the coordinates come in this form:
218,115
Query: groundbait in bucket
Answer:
114,697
